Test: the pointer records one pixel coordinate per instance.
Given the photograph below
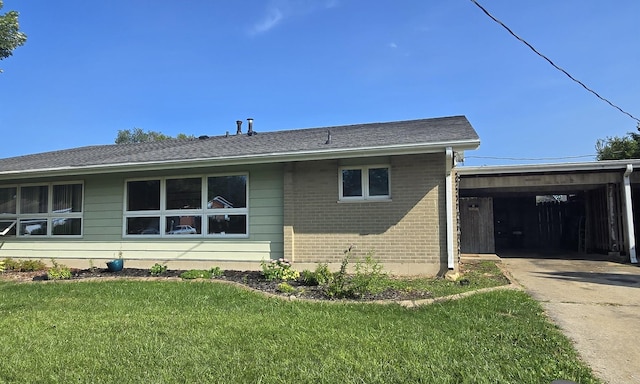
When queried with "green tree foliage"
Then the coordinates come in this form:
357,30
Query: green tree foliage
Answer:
137,135
616,148
10,36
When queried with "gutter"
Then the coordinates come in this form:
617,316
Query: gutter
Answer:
449,163
628,209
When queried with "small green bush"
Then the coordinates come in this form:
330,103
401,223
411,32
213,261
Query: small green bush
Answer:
368,277
320,276
279,270
1,266
216,271
196,274
58,272
337,286
157,269
11,264
30,265
286,288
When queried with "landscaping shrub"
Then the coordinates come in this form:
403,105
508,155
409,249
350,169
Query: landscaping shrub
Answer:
337,286
216,271
157,269
320,276
368,277
196,274
279,270
58,272
11,264
24,265
1,266
286,288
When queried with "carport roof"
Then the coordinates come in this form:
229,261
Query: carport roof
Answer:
541,179
604,165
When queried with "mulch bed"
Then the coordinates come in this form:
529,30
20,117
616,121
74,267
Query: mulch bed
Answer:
251,279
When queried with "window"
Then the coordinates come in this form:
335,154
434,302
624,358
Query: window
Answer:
364,183
191,206
41,210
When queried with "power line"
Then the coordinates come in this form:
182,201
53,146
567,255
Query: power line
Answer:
552,63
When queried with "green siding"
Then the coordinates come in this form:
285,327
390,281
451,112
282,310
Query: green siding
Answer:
103,222
103,199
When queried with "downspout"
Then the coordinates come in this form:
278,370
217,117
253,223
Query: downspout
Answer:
628,209
449,203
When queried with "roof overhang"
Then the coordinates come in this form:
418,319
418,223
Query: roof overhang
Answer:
266,158
604,165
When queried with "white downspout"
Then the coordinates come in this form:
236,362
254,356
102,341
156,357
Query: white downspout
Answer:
449,203
631,233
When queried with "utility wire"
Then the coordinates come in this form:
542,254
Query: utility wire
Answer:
552,63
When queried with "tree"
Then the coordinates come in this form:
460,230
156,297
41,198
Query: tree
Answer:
127,136
616,148
10,36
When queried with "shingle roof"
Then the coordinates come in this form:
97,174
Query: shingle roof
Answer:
444,130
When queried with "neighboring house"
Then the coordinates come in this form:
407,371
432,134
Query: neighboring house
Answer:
306,195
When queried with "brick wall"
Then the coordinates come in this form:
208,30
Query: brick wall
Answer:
410,229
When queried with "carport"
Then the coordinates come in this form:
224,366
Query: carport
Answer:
569,208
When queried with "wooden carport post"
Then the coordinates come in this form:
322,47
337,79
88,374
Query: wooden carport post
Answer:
614,247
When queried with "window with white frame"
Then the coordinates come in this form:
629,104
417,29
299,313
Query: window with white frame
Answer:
187,206
42,210
364,183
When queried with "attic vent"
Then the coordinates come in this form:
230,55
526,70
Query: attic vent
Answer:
203,137
250,131
239,124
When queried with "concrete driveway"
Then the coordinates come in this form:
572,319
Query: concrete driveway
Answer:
595,303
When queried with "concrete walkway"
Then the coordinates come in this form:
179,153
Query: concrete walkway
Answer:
595,303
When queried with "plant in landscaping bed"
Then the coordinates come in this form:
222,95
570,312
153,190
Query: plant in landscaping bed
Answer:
320,276
1,266
196,274
24,265
286,288
157,269
368,277
337,286
279,270
58,271
11,264
216,271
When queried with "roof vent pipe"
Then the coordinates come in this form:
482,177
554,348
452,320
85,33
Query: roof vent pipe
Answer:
239,123
250,131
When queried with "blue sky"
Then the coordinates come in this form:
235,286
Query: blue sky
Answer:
91,68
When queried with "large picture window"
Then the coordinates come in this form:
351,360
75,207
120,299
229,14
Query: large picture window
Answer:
214,206
364,183
41,210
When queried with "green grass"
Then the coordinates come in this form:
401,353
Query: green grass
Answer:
482,274
164,332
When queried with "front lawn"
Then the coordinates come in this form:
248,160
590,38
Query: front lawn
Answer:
128,331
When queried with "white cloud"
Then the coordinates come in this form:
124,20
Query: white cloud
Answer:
393,45
271,19
280,10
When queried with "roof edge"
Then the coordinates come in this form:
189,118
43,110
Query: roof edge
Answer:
549,167
405,149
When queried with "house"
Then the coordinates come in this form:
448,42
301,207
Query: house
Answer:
305,195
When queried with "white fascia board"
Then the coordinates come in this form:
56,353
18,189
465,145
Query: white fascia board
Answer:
267,158
603,165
